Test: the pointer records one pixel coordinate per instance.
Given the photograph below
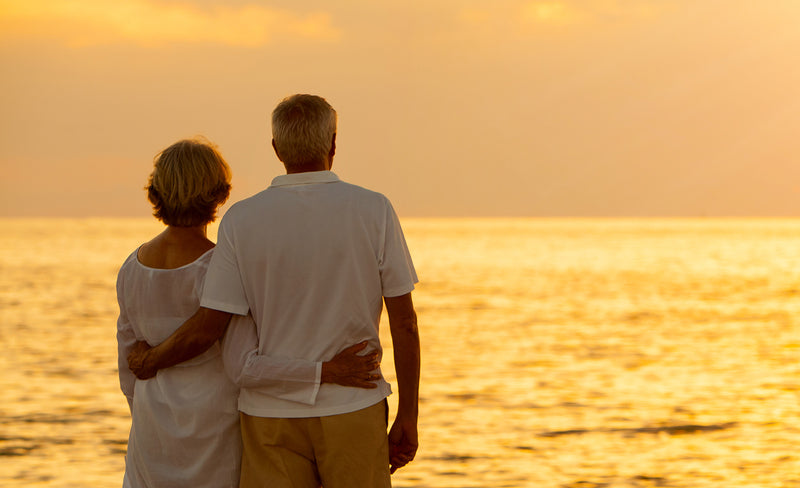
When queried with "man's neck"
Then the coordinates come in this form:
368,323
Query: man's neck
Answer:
308,167
303,169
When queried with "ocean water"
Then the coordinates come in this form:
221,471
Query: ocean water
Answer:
561,353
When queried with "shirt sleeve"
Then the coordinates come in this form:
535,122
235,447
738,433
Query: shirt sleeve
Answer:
296,380
126,339
398,275
223,289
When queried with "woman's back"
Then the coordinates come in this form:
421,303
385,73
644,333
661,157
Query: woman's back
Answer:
184,428
164,281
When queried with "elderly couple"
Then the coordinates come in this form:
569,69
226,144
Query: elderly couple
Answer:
255,362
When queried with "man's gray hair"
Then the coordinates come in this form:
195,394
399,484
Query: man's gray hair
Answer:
303,127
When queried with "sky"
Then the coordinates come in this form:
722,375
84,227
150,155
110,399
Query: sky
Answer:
449,107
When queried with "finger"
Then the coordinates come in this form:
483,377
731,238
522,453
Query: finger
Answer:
367,366
366,362
396,464
408,453
402,458
370,364
403,454
356,347
363,361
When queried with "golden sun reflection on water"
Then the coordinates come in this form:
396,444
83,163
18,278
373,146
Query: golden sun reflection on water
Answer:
556,353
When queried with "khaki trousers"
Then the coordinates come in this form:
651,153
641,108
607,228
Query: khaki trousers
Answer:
339,451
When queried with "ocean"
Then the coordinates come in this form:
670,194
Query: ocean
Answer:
557,353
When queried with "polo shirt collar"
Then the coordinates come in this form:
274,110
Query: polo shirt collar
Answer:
308,178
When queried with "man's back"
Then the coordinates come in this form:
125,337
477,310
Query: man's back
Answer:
315,256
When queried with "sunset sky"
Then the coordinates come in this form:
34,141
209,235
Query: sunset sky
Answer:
449,107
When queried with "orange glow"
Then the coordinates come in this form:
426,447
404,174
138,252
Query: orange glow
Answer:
542,107
548,11
91,22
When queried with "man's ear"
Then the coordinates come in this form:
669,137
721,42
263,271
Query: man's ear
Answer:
333,146
276,149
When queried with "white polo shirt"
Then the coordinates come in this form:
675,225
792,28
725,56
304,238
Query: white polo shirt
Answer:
311,258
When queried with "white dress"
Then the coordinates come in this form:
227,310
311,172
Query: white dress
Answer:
185,423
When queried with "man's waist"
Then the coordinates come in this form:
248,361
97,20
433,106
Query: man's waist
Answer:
331,400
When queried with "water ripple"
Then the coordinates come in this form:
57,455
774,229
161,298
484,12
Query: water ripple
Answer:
666,429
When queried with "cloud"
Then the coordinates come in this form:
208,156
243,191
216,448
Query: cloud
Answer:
521,16
548,12
79,23
586,11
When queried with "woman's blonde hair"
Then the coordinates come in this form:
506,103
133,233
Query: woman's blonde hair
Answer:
190,179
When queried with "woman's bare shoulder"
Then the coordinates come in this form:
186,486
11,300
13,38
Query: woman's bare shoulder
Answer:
170,250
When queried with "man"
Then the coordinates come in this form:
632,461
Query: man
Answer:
312,259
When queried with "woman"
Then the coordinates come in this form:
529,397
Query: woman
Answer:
185,424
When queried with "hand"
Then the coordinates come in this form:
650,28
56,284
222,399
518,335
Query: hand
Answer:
349,369
137,360
403,443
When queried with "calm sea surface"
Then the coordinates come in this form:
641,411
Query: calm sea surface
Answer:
556,353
